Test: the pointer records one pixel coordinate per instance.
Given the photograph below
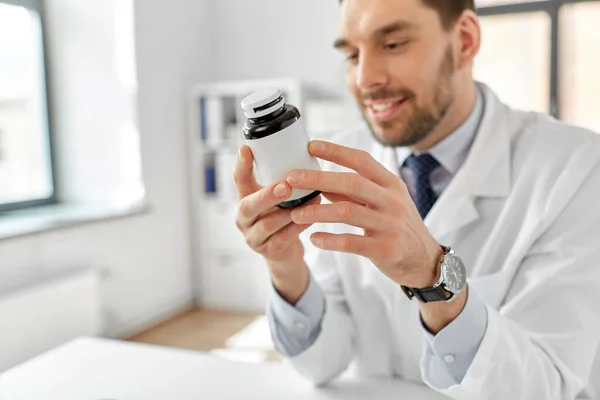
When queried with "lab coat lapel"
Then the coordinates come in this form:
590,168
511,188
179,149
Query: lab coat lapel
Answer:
485,173
453,209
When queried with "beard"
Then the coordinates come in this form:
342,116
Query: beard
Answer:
424,120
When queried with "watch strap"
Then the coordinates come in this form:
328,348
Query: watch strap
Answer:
431,294
428,295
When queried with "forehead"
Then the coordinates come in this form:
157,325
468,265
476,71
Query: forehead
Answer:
363,18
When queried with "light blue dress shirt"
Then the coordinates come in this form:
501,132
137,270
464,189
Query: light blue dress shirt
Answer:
295,329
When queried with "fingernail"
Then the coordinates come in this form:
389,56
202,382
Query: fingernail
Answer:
317,241
280,190
316,146
295,177
241,154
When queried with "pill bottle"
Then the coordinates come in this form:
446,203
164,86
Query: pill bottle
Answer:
276,134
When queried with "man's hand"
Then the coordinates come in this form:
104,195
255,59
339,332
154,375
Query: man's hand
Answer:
395,238
269,230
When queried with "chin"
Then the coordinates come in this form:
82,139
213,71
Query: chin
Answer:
387,139
392,136
401,133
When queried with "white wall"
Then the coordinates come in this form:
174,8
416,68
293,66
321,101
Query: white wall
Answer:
147,256
178,43
263,39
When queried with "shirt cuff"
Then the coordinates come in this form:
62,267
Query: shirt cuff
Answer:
456,345
305,318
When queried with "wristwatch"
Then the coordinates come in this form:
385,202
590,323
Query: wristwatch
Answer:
452,280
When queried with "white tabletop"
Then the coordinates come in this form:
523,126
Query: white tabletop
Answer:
95,369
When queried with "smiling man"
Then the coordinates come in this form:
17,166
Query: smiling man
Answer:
458,245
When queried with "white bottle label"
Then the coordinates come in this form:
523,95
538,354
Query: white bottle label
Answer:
282,152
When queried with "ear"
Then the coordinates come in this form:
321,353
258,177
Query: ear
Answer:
468,38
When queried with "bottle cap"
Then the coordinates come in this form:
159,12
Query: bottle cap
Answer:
263,102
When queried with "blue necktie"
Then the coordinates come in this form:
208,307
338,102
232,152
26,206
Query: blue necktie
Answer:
422,166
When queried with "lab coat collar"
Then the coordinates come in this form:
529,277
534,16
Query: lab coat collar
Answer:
452,151
485,173
489,160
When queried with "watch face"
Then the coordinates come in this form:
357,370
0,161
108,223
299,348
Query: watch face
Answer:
454,274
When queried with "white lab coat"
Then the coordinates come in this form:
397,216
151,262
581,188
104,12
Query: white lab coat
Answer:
524,214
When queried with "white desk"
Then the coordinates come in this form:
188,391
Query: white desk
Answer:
94,369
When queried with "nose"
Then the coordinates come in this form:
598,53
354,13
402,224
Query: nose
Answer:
371,73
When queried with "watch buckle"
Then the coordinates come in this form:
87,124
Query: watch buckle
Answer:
408,292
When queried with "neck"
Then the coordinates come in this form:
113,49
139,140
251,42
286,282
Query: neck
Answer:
457,114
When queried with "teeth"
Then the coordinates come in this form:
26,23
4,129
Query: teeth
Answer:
382,106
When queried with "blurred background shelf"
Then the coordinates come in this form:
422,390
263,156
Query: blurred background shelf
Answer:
228,275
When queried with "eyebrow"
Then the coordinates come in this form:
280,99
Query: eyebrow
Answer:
394,27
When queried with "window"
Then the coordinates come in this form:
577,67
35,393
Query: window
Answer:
513,59
542,55
26,172
580,81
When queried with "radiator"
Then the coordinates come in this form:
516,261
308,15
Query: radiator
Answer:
38,314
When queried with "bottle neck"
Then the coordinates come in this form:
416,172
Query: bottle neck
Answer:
268,117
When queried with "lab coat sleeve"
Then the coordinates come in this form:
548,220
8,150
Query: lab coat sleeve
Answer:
541,342
295,328
455,346
330,354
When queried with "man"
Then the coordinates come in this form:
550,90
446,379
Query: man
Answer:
514,194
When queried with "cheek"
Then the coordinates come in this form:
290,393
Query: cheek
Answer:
432,67
408,72
419,73
404,68
350,75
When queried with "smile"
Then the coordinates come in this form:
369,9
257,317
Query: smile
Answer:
384,110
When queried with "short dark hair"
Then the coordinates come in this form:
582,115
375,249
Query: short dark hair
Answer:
448,10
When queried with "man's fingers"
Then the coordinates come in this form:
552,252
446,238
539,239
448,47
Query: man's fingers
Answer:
267,226
278,244
344,183
288,234
345,212
358,160
338,198
243,174
346,243
257,203
275,231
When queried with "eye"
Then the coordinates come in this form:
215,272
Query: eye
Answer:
395,45
352,57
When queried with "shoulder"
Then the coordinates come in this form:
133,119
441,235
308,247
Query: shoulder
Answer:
536,138
554,135
541,140
556,163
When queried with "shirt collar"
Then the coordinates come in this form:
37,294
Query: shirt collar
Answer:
453,150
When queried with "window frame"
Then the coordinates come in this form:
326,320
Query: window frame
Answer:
38,6
552,7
